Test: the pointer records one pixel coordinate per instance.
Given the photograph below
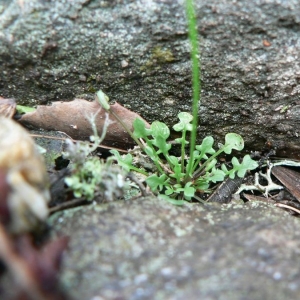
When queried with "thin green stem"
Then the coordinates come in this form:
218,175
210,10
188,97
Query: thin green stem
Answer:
139,170
196,164
154,159
171,165
183,150
196,84
98,140
202,167
102,99
126,128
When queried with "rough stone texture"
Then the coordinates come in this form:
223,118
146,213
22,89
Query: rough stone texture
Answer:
149,249
138,53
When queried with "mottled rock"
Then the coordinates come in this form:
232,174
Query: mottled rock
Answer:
149,249
56,50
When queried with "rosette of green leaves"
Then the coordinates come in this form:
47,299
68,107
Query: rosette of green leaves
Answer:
178,178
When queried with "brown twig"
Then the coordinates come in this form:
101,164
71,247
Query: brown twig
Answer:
143,190
68,204
288,207
63,139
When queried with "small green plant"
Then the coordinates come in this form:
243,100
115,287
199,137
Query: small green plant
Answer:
91,176
179,179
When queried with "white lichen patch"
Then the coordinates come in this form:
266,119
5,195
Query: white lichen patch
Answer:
271,186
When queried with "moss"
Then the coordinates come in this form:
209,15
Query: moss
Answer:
92,78
158,57
91,89
162,56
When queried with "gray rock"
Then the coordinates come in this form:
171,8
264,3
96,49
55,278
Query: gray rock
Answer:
149,249
138,53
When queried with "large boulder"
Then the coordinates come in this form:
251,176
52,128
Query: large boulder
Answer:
139,54
150,249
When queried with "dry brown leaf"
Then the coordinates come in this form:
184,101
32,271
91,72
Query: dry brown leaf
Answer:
289,178
73,119
250,197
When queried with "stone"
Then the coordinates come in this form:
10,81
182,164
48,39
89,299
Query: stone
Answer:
150,249
249,61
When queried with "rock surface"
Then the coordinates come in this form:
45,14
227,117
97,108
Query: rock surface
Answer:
138,53
149,249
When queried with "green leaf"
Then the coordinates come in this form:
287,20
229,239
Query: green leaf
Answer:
184,124
140,130
202,184
150,152
216,175
171,200
162,145
188,191
233,141
157,183
211,164
181,140
169,191
80,187
176,168
102,100
206,147
247,164
125,161
224,168
160,133
174,160
160,129
241,168
24,109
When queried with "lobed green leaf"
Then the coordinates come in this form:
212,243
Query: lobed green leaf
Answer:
206,147
171,200
150,152
162,145
140,129
216,175
160,129
103,100
157,182
247,164
233,141
184,124
125,161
